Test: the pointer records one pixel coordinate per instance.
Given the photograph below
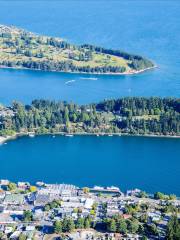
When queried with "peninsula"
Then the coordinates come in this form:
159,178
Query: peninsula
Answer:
131,116
23,49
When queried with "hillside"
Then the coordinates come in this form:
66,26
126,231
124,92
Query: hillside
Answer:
22,49
135,115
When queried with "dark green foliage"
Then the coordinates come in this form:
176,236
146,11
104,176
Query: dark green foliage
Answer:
173,229
58,227
137,63
27,216
62,66
120,225
134,115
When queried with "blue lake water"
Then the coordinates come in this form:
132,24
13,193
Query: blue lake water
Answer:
148,28
151,164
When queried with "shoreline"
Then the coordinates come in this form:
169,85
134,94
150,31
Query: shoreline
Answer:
133,72
3,140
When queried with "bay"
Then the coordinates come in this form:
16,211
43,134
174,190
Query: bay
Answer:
151,164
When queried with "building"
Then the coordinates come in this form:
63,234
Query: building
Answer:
14,199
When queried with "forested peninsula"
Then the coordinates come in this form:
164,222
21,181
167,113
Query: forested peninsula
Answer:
23,49
131,116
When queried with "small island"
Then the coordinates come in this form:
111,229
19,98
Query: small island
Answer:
26,50
152,116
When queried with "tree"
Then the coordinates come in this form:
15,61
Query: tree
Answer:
47,207
92,212
172,197
33,188
27,216
70,225
159,195
66,116
143,194
144,238
133,225
87,223
11,186
22,236
121,226
173,229
112,225
57,227
153,229
86,190
80,223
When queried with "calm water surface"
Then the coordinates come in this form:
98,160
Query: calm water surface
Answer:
151,164
149,28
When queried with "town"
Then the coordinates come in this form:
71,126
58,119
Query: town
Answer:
64,211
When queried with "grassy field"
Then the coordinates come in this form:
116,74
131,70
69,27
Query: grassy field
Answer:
18,46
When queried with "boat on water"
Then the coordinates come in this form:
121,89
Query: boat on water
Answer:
53,136
31,135
113,188
98,188
110,135
69,135
89,78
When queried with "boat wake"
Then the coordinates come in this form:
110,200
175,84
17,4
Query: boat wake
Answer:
71,81
90,78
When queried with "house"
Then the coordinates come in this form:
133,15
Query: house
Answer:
4,182
42,199
132,237
38,214
133,192
88,203
65,212
40,184
14,199
30,228
72,205
112,209
154,216
126,216
64,190
31,198
8,230
2,195
15,235
23,185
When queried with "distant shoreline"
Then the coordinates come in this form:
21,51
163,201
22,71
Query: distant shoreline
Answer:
133,72
100,134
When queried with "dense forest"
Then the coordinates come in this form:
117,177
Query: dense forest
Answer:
22,49
131,115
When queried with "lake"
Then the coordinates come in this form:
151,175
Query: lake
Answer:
151,164
148,28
